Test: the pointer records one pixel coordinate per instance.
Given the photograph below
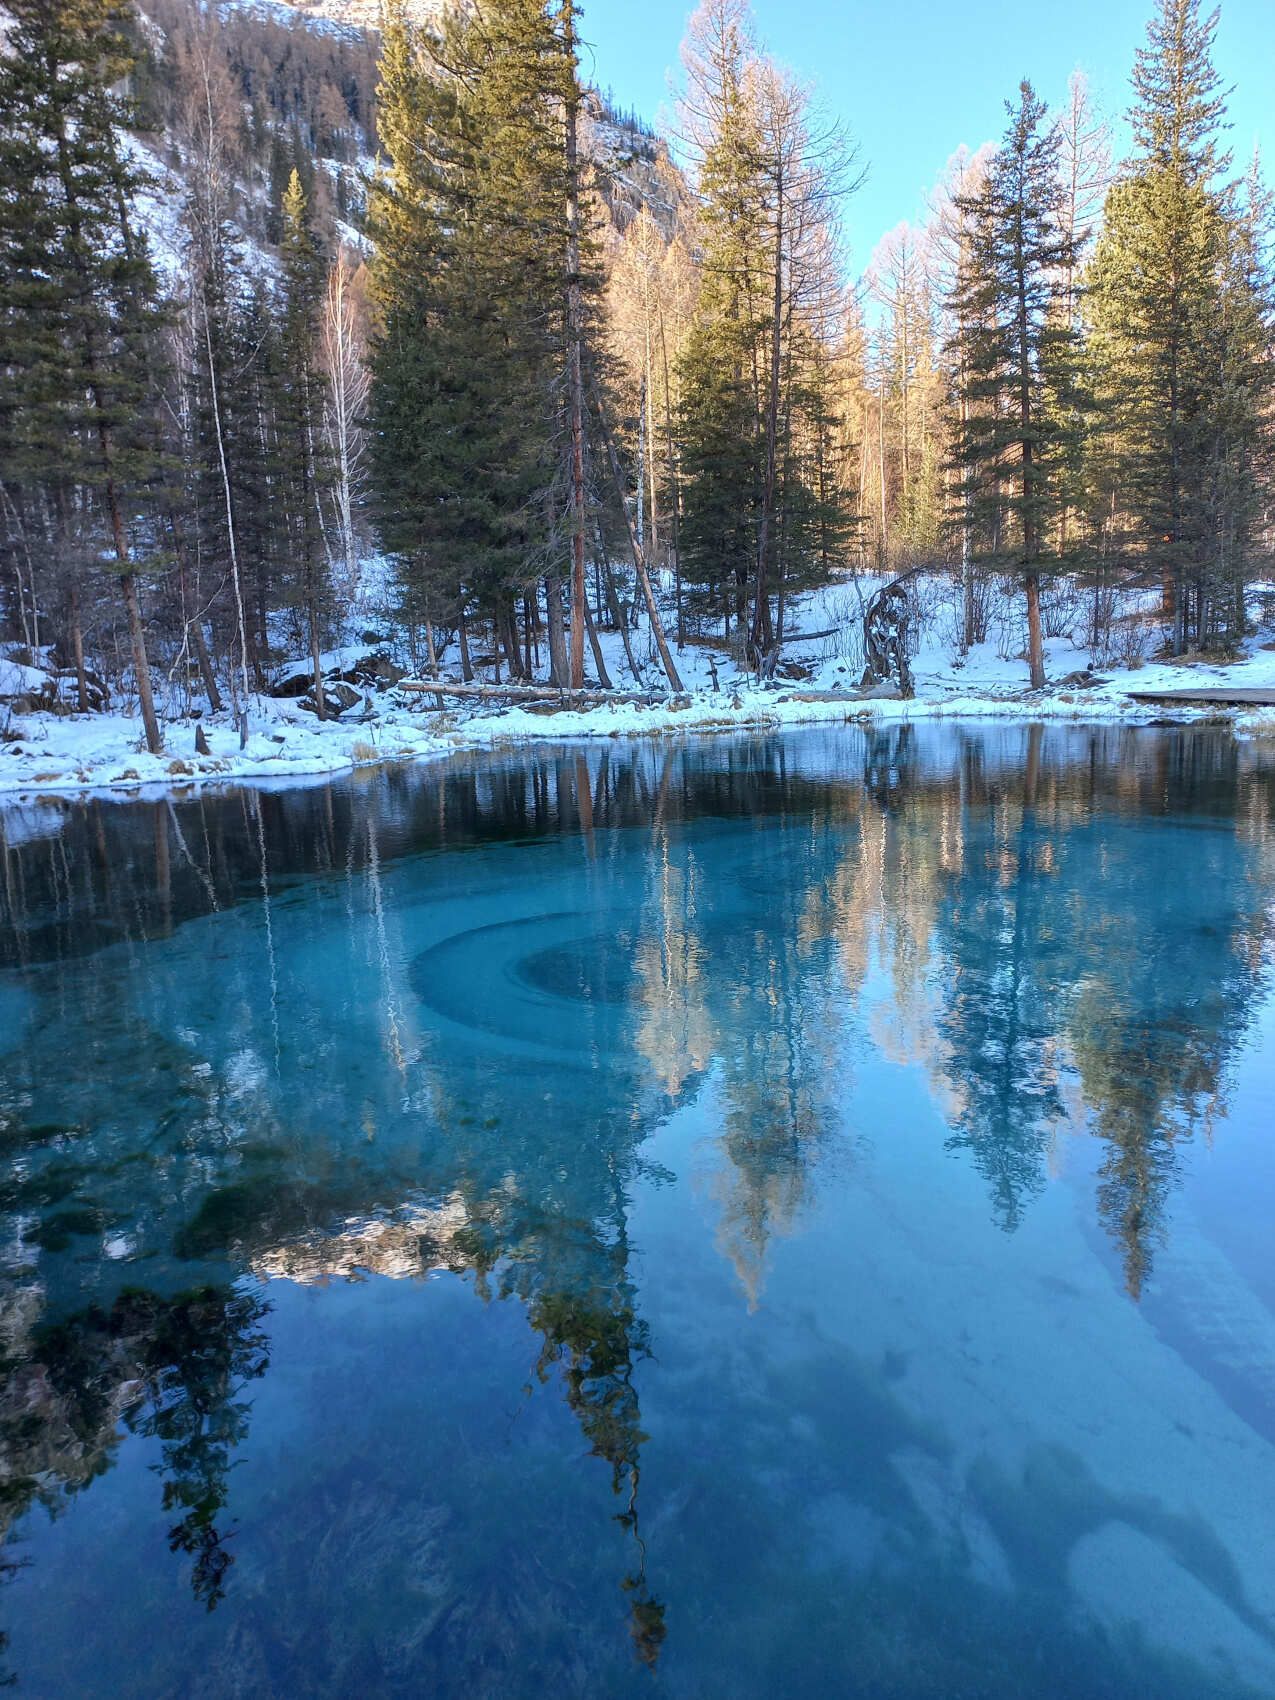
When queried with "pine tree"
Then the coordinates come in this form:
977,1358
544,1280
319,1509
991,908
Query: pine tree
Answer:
767,183
1179,109
1012,442
471,220
1085,169
1244,458
1180,316
81,319
721,455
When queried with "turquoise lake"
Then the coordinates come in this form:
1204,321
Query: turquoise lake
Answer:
764,1216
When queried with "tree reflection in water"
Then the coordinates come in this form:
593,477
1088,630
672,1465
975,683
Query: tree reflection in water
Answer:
206,1086
172,1370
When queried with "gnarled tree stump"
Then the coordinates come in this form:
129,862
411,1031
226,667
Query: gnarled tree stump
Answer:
885,639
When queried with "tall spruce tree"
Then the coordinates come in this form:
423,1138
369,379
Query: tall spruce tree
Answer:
80,317
1181,334
471,216
720,451
1016,341
758,517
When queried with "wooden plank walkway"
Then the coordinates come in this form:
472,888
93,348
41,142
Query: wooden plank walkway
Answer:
1213,696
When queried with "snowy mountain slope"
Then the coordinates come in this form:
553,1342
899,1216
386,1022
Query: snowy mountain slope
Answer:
341,14
303,72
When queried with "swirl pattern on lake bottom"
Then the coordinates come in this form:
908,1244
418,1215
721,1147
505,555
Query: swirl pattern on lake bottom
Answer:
549,980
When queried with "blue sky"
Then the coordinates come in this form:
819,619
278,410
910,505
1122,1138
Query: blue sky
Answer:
915,78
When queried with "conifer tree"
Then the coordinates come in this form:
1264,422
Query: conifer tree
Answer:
1012,440
81,317
950,235
1181,336
1085,171
472,275
438,430
768,177
721,456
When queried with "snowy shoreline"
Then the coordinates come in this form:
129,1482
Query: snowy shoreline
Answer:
44,752
102,754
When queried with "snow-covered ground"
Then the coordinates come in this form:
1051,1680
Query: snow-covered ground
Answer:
48,752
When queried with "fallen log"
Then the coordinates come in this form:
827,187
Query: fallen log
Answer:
525,693
807,637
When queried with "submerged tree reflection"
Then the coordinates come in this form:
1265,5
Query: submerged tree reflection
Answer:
201,1352
172,1369
1000,1015
462,1065
596,1341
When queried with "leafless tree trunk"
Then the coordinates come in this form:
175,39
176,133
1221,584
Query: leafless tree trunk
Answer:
599,661
639,559
618,616
77,651
231,535
31,626
209,197
137,643
347,381
559,670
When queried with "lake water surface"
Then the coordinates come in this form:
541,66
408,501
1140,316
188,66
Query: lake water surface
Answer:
773,1216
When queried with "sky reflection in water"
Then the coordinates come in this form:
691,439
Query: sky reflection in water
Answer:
772,1215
